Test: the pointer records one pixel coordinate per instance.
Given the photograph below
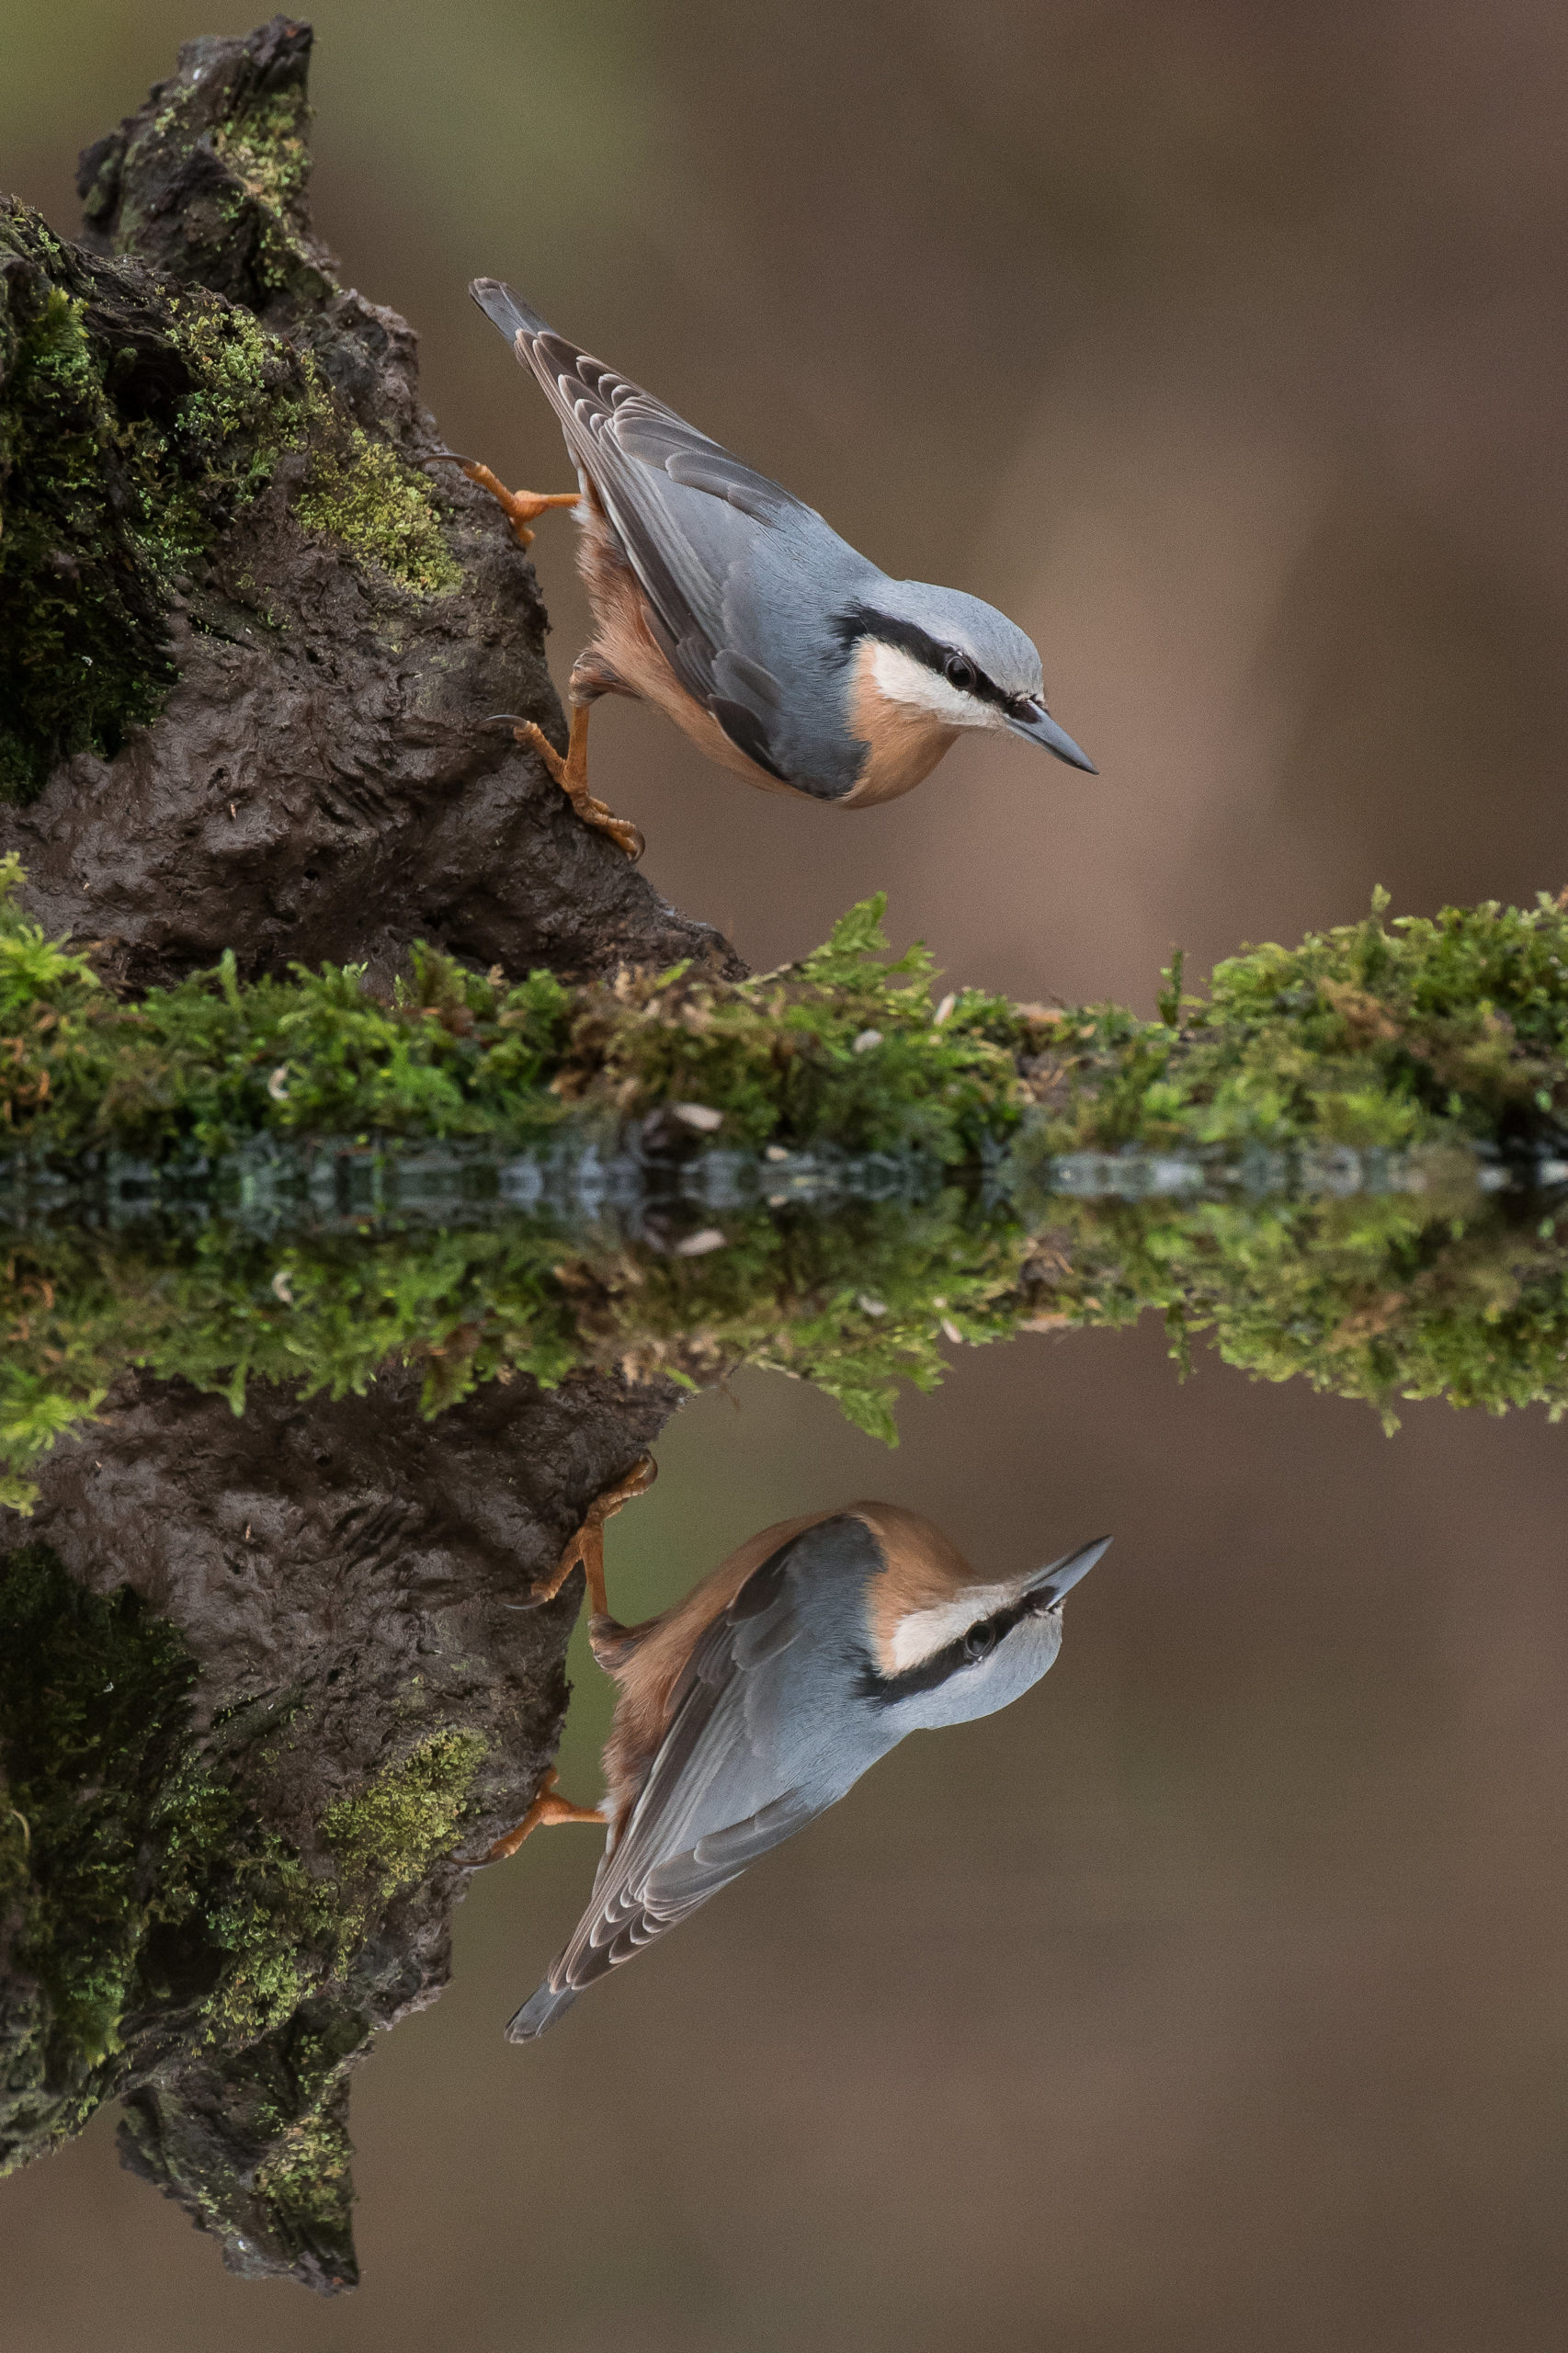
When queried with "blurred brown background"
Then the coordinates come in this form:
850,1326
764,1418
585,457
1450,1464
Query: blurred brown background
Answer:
1216,1996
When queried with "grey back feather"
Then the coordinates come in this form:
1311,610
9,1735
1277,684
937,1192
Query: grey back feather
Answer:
776,1716
760,1740
742,580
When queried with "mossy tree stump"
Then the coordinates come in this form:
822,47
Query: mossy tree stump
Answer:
249,633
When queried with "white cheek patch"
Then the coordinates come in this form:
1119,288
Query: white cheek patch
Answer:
899,677
924,1632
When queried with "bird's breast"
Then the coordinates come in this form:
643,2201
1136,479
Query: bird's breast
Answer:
623,639
904,740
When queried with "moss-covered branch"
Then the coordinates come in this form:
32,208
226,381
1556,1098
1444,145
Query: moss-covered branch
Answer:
1417,1034
1334,1162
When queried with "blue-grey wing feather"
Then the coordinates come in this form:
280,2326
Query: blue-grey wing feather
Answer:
754,1750
735,570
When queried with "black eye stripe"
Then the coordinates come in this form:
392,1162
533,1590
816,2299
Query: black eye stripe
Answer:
952,1659
863,621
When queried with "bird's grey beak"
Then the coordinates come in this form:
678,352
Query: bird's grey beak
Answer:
1033,719
1060,1577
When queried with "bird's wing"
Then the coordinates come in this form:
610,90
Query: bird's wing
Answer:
729,1782
686,512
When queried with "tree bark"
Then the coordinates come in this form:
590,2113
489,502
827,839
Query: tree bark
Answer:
249,635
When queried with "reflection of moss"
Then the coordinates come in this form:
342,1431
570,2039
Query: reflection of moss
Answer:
382,511
394,1830
284,1929
255,2145
92,1722
1438,1294
142,1893
267,1922
308,2184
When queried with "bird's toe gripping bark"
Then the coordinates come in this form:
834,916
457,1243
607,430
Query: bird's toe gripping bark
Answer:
587,1546
572,775
520,507
545,1812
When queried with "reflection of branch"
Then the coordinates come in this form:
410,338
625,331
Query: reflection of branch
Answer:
251,1768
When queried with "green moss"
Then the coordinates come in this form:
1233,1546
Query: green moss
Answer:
1370,1035
254,396
392,1832
309,2183
127,450
260,215
265,147
382,511
84,589
119,466
93,1719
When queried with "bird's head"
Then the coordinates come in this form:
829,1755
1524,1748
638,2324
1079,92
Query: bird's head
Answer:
978,1648
956,662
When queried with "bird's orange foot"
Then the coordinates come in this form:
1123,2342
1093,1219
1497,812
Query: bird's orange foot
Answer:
572,775
587,1546
520,507
545,1812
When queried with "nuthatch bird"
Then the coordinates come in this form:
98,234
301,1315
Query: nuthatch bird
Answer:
760,1699
781,652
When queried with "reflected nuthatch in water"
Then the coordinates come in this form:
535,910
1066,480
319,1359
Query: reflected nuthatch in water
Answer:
760,1699
785,654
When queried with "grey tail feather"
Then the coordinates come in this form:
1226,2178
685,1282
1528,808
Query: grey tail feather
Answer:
540,2012
506,309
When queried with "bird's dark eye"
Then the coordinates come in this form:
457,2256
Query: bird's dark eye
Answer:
959,673
979,1642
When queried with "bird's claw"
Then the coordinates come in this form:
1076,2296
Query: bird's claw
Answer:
546,1810
586,1546
571,773
627,837
520,507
